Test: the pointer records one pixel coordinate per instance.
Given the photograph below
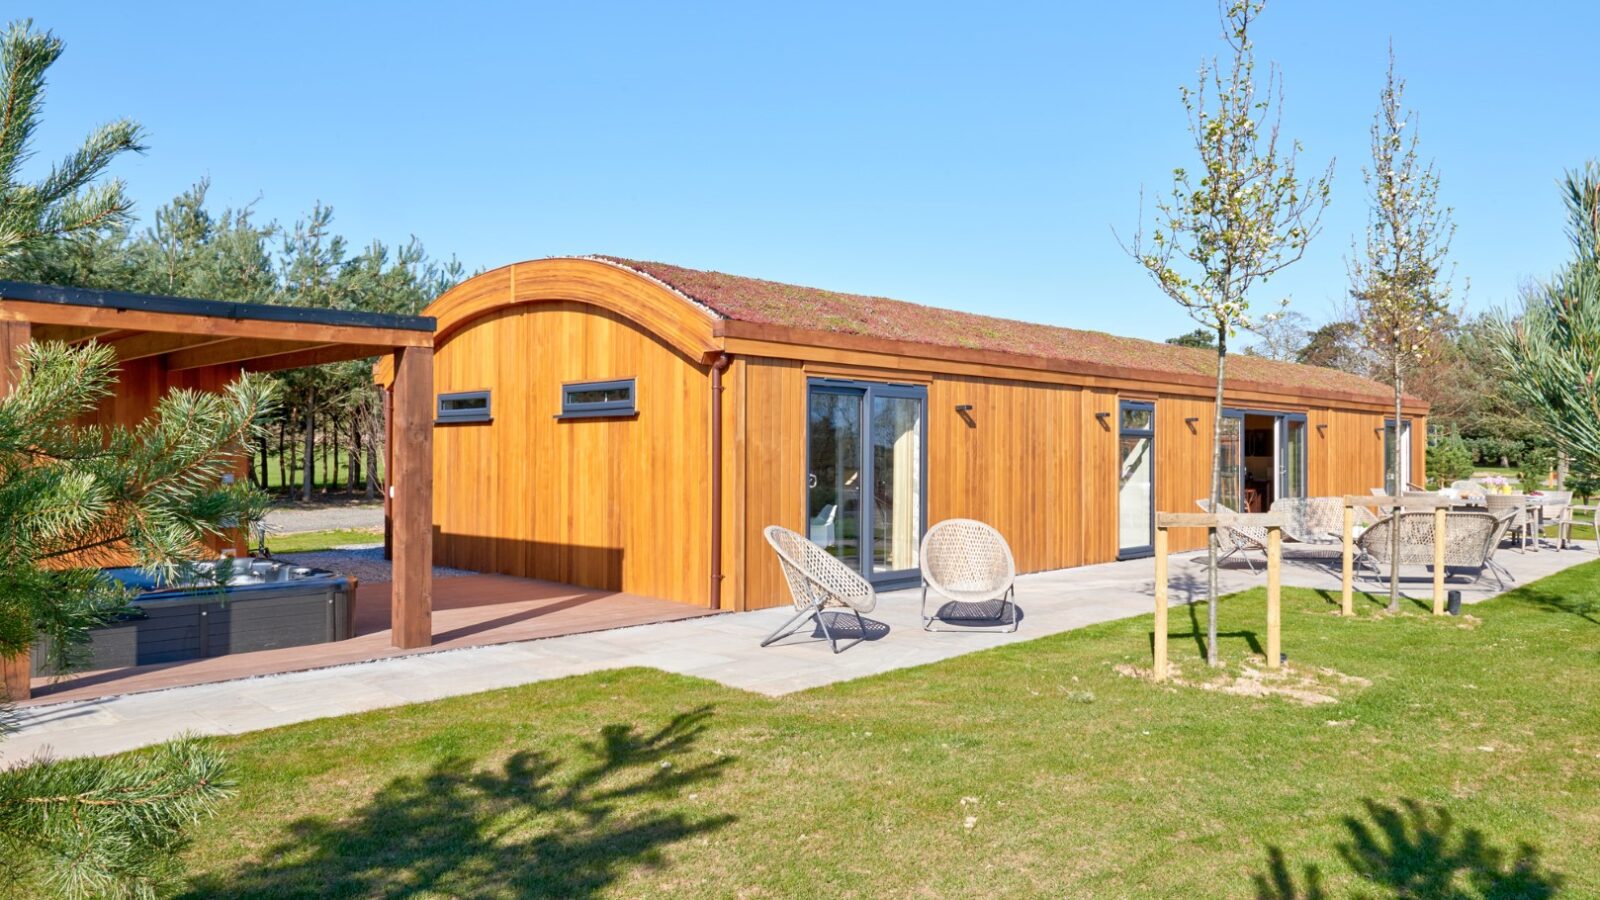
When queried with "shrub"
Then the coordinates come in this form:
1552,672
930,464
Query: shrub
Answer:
1448,460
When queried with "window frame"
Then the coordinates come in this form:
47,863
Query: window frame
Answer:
1149,431
442,416
602,409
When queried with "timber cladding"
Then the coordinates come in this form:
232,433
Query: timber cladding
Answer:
624,503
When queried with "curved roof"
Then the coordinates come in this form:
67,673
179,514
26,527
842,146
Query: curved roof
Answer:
757,301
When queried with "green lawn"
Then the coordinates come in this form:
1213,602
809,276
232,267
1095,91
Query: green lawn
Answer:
311,541
1469,766
323,475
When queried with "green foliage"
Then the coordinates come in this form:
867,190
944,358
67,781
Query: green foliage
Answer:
1585,483
69,493
106,828
1449,460
1552,351
74,199
1200,339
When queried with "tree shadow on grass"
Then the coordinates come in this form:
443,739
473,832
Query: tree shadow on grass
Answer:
1413,850
1584,606
518,832
1198,632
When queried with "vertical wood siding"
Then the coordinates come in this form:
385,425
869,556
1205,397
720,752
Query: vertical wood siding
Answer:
612,504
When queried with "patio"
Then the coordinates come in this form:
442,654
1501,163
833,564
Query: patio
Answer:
723,648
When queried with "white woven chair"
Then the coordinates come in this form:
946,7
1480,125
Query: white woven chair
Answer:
970,565
1558,512
1317,520
818,581
1237,538
1517,506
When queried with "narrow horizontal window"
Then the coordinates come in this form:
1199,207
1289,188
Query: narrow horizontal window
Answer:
467,406
1137,417
594,399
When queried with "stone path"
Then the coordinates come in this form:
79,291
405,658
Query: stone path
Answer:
721,648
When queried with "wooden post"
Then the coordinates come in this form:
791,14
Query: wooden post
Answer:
15,671
388,472
1438,560
411,480
1274,590
1160,670
1347,590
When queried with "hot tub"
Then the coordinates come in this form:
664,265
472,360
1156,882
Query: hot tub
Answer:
228,606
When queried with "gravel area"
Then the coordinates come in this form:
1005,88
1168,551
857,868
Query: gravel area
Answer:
292,519
365,562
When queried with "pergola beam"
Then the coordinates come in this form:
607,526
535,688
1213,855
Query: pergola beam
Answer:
141,345
108,318
235,351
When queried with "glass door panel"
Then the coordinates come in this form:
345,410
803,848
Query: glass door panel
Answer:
1136,480
1389,484
863,434
833,485
1293,458
896,482
1232,455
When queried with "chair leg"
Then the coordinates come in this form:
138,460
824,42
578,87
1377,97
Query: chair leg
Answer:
793,624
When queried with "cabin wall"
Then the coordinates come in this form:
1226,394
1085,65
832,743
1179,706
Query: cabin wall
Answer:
617,504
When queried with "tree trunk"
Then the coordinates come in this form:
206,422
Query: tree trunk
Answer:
308,470
1399,490
355,452
283,454
1212,657
263,450
332,468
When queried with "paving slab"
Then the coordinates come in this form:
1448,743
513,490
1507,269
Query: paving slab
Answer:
725,649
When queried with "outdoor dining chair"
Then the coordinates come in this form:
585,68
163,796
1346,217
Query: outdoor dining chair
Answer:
1470,539
1558,512
970,565
818,581
1517,506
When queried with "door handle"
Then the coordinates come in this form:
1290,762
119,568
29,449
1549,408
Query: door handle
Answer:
811,481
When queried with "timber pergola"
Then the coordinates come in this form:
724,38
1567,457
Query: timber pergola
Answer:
163,343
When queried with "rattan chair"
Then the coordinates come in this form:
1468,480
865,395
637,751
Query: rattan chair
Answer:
1470,539
1237,538
970,565
818,581
1317,520
1517,506
1558,512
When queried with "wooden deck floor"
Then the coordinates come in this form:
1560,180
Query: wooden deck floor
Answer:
468,611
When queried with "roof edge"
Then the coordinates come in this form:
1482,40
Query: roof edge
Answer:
217,309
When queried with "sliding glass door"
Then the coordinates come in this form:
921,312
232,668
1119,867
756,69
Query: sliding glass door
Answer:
1136,480
1232,459
866,480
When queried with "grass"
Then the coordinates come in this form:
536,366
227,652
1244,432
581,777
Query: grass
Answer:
1468,767
336,476
312,541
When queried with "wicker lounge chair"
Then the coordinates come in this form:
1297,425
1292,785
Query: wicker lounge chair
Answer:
970,565
1470,539
817,582
1317,520
1237,538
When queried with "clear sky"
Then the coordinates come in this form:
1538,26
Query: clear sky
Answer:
975,157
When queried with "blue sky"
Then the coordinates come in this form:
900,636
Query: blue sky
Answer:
976,157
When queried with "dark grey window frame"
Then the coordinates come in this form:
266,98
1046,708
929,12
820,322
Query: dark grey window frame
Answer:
606,409
442,416
1150,432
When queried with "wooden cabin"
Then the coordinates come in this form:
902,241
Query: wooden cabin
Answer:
633,426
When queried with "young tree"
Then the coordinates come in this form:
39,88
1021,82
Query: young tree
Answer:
1398,284
1552,350
1248,215
69,494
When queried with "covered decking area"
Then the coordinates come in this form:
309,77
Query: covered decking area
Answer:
166,343
467,611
